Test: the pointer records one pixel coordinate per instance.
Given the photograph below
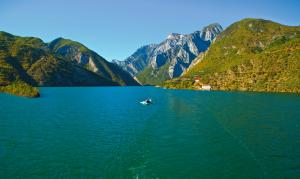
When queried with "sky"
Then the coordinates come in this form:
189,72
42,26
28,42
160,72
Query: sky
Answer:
117,28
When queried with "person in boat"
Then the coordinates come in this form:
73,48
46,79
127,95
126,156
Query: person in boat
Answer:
148,101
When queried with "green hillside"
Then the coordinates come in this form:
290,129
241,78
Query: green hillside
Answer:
150,76
250,55
20,89
89,60
28,61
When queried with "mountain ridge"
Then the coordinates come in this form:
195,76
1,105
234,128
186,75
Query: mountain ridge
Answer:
32,61
90,60
155,63
250,55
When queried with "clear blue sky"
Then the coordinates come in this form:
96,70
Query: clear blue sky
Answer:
116,28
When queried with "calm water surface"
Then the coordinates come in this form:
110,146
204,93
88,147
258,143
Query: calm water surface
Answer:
105,133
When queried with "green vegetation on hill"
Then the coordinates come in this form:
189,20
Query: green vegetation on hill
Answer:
180,84
251,55
20,89
29,59
150,76
36,63
58,43
91,61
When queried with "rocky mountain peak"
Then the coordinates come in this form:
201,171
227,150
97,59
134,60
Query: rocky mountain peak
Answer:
209,32
153,64
174,36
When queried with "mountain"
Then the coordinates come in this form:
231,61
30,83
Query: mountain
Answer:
155,63
82,56
30,60
251,55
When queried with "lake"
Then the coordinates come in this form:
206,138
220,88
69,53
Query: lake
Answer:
104,132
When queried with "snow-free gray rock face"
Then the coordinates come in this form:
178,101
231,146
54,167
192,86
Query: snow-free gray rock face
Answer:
138,61
175,54
82,56
73,53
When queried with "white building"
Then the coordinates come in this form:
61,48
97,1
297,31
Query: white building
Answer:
206,87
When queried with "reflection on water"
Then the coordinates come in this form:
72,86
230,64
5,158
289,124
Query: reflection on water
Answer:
105,132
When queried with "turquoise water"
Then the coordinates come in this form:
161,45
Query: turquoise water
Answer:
105,133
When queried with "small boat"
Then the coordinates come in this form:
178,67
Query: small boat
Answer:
147,101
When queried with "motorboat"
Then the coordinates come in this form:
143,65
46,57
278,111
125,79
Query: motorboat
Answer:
147,101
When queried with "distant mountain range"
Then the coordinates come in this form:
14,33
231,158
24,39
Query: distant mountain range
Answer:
155,63
61,62
250,55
